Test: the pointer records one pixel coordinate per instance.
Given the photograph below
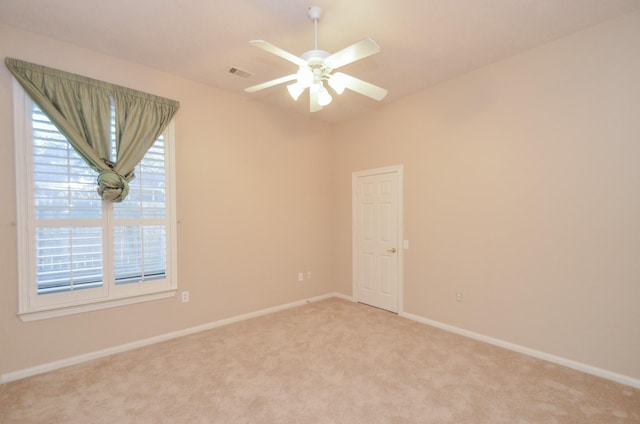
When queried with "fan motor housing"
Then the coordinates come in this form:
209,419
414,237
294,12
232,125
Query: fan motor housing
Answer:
315,61
314,57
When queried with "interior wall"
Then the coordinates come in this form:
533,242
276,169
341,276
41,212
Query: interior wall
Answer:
253,202
521,192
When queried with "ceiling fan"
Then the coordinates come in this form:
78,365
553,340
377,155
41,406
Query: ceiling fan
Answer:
317,66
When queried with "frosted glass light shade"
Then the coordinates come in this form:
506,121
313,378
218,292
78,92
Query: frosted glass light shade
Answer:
305,76
295,90
324,98
338,83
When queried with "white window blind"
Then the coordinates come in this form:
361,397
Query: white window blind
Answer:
67,211
139,234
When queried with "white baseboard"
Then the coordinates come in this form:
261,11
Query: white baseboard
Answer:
598,372
344,297
51,366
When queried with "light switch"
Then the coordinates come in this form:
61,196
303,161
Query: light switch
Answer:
405,244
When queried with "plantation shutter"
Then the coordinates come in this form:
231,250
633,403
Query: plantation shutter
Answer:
68,237
140,249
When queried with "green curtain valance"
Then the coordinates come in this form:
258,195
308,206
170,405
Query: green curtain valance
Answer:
81,109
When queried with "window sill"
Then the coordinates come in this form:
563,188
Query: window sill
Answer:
87,307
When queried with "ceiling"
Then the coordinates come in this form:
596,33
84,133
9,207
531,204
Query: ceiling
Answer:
423,42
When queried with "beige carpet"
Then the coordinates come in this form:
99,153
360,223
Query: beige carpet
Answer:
326,362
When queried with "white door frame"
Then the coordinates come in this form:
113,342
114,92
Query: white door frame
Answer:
397,169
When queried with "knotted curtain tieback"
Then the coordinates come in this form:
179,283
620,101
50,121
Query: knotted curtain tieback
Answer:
112,186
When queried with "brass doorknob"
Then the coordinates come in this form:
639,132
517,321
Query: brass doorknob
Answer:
392,250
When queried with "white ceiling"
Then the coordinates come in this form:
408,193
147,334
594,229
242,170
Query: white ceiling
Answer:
423,42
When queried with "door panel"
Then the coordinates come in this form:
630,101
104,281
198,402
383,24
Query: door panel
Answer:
376,240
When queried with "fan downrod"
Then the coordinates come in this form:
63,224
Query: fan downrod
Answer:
315,57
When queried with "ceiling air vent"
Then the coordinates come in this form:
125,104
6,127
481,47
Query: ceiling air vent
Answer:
239,72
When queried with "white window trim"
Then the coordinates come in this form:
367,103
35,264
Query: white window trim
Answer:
28,312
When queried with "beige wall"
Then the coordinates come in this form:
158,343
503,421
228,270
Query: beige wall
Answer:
522,192
253,211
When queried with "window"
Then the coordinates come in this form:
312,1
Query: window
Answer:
77,252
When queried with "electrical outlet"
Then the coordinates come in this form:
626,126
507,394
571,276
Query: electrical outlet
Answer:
308,275
300,276
185,296
458,296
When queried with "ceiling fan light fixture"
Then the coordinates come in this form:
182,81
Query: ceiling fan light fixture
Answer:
295,90
316,66
324,98
305,76
337,82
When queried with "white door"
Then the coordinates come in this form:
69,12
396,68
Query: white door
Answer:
376,239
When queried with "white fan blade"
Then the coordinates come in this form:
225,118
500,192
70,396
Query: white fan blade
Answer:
314,105
271,83
363,48
266,46
363,87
